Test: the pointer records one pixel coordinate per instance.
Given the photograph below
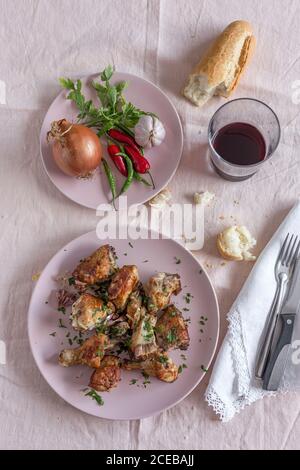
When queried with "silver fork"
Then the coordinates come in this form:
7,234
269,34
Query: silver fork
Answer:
283,269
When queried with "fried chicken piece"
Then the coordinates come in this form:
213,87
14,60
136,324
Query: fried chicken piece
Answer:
97,267
134,309
89,312
90,353
119,329
159,290
158,365
107,375
143,342
122,285
171,330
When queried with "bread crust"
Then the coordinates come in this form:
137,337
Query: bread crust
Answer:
222,66
223,252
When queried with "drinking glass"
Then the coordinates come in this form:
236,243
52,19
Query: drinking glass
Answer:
248,111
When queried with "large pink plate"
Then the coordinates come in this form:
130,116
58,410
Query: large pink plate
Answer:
164,159
126,401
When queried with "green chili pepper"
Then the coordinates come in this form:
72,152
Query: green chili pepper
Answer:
138,177
130,174
111,181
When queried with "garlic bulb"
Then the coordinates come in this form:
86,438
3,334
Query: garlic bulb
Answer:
149,131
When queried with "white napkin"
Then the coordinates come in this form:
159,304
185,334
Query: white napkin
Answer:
232,385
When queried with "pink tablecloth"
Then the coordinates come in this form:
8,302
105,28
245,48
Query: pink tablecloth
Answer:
160,40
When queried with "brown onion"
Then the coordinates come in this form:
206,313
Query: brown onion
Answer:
76,149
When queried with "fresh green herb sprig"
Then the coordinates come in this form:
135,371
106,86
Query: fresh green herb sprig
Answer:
114,111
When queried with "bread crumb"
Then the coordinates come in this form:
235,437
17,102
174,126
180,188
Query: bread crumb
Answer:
203,198
35,277
235,243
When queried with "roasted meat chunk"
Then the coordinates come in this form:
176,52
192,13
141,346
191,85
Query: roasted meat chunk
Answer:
107,375
159,290
158,365
97,267
171,330
90,353
143,342
89,311
134,309
122,285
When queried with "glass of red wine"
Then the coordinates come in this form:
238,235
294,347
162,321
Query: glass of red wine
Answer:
243,134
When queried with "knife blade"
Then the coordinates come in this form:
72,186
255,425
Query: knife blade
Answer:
283,333
279,356
292,300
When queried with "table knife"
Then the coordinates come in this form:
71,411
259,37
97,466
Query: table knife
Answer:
283,333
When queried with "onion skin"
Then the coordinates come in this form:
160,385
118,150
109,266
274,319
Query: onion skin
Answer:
76,149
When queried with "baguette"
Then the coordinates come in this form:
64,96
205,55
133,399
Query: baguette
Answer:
220,70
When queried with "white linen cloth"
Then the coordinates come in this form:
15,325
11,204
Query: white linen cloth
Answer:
233,384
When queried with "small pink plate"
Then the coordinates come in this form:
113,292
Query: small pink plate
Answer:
197,301
164,159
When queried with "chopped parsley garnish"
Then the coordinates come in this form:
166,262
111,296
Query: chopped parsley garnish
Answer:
46,302
163,359
71,281
200,271
188,297
181,367
62,309
125,254
173,313
133,382
60,324
177,260
149,330
100,352
52,334
145,261
171,335
183,357
130,244
145,375
203,368
185,309
95,396
70,342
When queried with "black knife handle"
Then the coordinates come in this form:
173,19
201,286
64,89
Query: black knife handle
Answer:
277,359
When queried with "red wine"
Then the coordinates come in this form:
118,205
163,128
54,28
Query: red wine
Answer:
240,143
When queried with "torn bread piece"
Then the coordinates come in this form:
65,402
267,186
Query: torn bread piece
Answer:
235,243
220,70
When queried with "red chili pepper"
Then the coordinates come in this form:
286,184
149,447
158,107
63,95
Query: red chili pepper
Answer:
118,160
124,138
140,163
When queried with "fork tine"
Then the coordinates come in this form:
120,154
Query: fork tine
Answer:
292,253
287,250
280,254
296,253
